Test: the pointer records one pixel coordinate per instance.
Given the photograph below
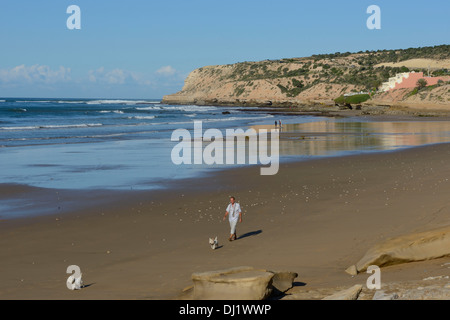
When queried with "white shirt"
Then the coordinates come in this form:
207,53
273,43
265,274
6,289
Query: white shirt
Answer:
233,211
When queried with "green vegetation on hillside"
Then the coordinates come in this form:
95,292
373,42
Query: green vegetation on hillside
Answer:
421,86
295,75
421,83
355,99
397,55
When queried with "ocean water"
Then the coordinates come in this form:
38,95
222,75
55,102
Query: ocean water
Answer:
126,144
25,122
93,143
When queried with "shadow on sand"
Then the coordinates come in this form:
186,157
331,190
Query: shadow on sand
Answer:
249,234
277,295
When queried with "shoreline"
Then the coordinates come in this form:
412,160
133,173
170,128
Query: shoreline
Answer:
307,219
45,195
326,108
302,137
48,201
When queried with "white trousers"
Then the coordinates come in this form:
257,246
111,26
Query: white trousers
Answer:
233,224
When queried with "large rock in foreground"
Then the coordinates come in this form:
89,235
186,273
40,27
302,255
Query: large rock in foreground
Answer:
427,245
240,283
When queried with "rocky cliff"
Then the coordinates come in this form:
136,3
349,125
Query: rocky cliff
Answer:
266,83
318,79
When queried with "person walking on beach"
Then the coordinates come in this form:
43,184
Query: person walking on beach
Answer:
234,215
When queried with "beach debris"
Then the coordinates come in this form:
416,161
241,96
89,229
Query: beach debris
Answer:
351,293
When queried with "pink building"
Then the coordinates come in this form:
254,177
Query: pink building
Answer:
411,80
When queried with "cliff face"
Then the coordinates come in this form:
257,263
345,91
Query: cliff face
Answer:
267,83
299,81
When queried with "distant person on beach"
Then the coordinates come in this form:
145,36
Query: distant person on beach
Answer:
276,124
234,215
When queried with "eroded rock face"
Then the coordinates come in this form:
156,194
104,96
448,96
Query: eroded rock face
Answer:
283,281
240,283
427,245
229,85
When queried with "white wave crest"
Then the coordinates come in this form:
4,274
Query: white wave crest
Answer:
111,111
83,125
142,117
150,108
180,108
127,102
65,101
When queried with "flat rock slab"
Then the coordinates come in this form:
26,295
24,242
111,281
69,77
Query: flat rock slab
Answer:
351,293
240,283
412,247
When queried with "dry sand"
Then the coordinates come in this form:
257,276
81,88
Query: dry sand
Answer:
315,218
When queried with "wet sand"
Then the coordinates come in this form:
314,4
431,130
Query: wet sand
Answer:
314,217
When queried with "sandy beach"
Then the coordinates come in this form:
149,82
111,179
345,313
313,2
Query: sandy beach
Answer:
314,217
127,128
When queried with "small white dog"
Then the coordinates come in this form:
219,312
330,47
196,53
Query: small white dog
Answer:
213,243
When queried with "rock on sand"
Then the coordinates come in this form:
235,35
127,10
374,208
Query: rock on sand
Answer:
351,293
240,283
426,245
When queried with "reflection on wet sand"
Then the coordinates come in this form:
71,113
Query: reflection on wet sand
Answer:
339,136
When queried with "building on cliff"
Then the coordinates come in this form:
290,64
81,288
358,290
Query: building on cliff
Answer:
409,80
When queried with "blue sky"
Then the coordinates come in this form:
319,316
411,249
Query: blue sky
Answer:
145,48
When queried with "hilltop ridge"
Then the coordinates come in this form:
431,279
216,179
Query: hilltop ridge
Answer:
318,79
